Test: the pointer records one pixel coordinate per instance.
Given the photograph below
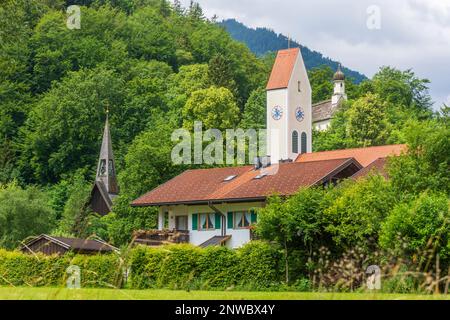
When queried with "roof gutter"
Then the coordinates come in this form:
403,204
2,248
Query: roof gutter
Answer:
201,202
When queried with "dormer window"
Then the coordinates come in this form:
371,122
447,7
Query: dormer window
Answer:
229,178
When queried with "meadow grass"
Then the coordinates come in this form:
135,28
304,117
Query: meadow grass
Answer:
26,293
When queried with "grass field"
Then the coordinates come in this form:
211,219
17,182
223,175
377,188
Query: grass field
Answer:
14,293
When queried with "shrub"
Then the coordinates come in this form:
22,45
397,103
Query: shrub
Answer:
179,268
19,269
259,264
256,265
217,265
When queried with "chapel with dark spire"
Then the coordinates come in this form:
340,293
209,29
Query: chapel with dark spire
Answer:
105,188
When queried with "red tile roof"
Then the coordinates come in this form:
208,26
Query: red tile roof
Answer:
378,166
364,156
204,185
282,69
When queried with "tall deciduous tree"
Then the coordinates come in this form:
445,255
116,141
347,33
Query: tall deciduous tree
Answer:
215,107
63,132
367,121
254,116
23,213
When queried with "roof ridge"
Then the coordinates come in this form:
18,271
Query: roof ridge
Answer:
321,102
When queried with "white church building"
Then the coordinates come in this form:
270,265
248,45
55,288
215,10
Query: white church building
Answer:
219,206
323,112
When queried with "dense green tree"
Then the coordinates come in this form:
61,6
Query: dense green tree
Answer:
367,122
23,213
215,107
321,83
254,116
147,33
220,73
297,222
58,50
188,80
63,132
355,216
420,228
148,161
426,164
75,212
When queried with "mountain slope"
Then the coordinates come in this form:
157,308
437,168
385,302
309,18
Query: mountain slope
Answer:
262,40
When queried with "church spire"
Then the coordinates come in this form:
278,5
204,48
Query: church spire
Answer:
106,171
339,87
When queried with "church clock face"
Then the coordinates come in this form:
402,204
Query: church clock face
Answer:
277,112
299,114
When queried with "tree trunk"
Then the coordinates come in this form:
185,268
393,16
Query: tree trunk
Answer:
286,261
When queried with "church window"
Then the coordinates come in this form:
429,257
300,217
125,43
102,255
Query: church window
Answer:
304,142
102,168
299,86
111,168
295,142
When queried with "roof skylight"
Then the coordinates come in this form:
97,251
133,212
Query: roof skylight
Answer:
260,176
229,178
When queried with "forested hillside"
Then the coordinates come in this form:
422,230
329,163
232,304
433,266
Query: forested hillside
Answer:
262,41
157,67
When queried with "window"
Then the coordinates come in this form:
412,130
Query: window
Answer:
295,142
304,143
102,168
111,168
242,219
206,221
260,176
166,220
299,86
229,178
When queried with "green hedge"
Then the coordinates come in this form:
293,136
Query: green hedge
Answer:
19,269
255,266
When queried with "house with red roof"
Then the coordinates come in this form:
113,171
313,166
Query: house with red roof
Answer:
218,206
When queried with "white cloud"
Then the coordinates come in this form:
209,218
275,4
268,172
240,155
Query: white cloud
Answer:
414,33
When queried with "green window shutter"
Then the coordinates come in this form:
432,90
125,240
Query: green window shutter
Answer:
217,223
253,216
194,221
230,220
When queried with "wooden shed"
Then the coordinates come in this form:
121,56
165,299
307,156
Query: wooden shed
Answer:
59,245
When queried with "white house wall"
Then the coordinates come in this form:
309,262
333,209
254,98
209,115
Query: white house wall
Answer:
239,237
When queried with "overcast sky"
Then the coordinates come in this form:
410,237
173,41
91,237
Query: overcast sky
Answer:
413,33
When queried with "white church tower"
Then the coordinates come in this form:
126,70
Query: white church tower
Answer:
289,111
339,87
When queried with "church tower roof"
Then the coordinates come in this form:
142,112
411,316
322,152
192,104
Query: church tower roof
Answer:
282,69
106,171
339,75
